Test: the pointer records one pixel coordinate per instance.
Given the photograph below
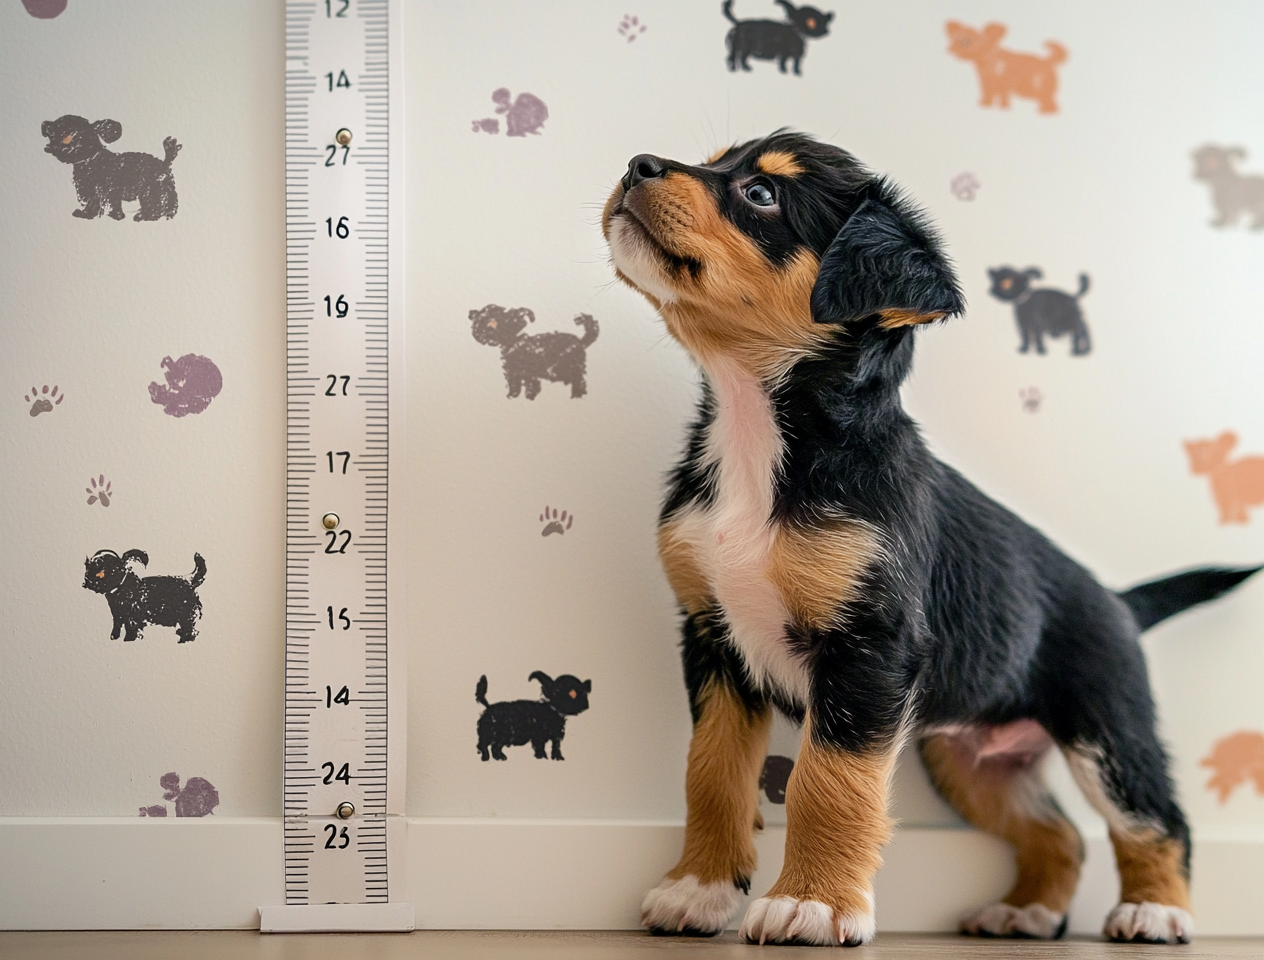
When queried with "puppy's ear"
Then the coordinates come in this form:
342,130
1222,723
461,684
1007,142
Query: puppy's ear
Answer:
108,130
46,128
1034,273
587,686
545,680
994,31
140,555
885,261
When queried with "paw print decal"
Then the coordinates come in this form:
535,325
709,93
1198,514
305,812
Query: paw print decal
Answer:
1032,398
631,27
100,490
965,186
197,799
555,522
43,401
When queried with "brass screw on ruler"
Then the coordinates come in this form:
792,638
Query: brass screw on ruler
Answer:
329,521
346,810
343,137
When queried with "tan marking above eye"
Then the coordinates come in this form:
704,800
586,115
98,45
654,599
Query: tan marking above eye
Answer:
719,154
67,138
811,23
1006,284
100,574
779,163
572,694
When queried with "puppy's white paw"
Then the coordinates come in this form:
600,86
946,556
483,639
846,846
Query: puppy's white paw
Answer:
787,920
688,907
1002,920
1150,923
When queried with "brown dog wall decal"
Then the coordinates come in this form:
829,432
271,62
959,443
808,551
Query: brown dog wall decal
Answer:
1234,760
1232,194
1236,484
1006,73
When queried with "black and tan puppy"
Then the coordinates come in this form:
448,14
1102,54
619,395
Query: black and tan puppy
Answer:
829,566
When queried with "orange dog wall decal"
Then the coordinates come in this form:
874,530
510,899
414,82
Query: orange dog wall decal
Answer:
1236,484
1006,73
1234,760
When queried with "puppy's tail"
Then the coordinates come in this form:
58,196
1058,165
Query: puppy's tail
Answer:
480,691
1159,599
727,8
590,328
171,148
1083,286
199,571
1057,52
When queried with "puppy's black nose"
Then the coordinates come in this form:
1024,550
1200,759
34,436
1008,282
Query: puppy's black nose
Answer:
644,167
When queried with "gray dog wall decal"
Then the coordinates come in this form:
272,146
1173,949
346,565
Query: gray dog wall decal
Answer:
105,179
192,383
530,360
1044,311
136,602
1233,194
782,40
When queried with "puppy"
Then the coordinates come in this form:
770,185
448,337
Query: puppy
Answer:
828,566
136,601
527,360
1043,312
512,723
1232,193
104,179
1006,72
770,40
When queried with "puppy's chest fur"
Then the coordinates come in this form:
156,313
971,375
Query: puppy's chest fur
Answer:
768,577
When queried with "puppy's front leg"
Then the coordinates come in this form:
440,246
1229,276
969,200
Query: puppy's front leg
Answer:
836,824
730,737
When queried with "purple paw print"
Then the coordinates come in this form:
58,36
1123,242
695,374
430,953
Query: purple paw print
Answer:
44,401
965,186
197,799
100,490
555,522
1032,398
524,114
631,27
44,9
192,383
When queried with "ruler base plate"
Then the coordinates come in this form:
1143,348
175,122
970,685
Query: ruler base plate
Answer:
338,918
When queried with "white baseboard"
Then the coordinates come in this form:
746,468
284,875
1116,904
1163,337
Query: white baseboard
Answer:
107,873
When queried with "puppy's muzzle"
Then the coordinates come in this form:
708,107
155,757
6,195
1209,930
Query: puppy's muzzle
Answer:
643,167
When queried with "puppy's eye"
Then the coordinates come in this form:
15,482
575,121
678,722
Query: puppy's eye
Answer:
67,138
759,195
100,574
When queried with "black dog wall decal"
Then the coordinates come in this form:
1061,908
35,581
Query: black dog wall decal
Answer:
780,40
774,776
103,178
513,723
529,360
135,601
1043,312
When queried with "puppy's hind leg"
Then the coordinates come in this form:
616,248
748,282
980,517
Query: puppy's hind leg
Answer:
730,737
1006,797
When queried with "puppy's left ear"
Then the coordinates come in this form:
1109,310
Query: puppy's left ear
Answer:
108,130
587,686
885,261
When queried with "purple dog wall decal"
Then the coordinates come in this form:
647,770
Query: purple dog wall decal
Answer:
199,798
192,383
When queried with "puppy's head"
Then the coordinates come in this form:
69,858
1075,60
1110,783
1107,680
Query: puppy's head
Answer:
73,139
496,326
567,695
971,44
103,572
752,253
1009,284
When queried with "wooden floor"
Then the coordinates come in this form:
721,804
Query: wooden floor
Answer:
468,945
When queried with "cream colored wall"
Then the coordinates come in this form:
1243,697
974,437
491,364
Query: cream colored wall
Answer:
1102,187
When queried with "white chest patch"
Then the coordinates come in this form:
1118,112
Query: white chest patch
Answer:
733,537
